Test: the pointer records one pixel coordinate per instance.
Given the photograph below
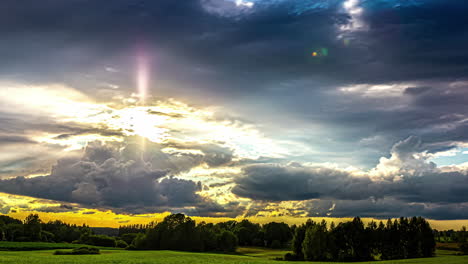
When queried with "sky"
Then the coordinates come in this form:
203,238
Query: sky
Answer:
221,109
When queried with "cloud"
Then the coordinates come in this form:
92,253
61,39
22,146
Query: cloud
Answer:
227,8
275,182
114,176
4,207
11,139
385,208
63,208
355,12
405,180
416,90
213,155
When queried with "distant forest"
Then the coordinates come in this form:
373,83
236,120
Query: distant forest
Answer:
347,241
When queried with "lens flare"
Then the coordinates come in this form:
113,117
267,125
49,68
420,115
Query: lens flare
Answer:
142,85
142,76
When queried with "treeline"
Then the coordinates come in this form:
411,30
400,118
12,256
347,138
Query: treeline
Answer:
32,229
179,232
353,241
451,236
348,241
274,235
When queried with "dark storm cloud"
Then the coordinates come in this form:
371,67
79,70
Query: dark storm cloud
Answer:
272,40
416,90
271,182
282,183
440,111
63,208
385,208
249,54
417,187
115,177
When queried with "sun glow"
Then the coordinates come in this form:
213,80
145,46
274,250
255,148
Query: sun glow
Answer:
158,121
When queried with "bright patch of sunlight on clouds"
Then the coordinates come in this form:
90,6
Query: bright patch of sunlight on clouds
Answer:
244,3
158,121
377,90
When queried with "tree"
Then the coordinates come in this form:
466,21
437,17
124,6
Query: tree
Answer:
227,241
246,232
208,236
427,239
298,239
462,236
277,231
315,245
352,241
32,227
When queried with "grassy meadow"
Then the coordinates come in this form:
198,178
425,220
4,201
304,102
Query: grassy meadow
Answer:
28,246
246,255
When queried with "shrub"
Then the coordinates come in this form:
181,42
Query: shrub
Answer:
79,251
131,247
290,257
129,237
85,251
121,244
139,242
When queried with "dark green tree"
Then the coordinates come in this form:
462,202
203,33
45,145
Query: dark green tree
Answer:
32,227
227,241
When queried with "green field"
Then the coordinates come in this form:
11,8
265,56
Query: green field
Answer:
262,252
170,257
28,246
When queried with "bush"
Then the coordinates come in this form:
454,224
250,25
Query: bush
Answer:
129,237
121,244
79,251
290,257
131,247
139,242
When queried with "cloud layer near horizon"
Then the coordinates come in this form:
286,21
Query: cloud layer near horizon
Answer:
129,179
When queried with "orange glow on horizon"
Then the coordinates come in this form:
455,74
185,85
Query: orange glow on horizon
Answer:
22,206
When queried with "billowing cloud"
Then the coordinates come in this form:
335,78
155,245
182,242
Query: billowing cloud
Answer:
406,180
126,178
